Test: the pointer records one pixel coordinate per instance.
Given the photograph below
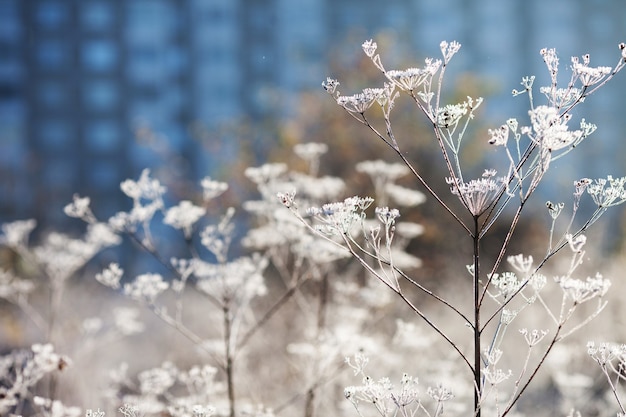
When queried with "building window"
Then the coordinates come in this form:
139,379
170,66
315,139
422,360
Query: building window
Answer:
102,136
97,16
11,72
149,21
104,175
57,173
100,95
51,54
98,56
52,95
52,14
10,23
54,134
145,66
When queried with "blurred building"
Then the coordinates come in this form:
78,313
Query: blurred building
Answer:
81,80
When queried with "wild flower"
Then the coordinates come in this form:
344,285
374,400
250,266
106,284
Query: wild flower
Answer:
94,413
479,194
211,188
576,243
56,408
561,97
330,85
110,276
319,188
127,321
147,195
387,216
369,47
580,291
449,49
129,410
145,188
79,208
184,216
605,353
521,263
499,137
551,130
146,287
496,376
16,233
360,102
319,251
507,284
587,75
311,153
607,192
552,62
339,217
265,173
413,79
158,380
217,238
534,336
554,209
387,172
60,256
237,281
403,196
13,288
449,116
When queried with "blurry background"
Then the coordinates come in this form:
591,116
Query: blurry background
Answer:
93,91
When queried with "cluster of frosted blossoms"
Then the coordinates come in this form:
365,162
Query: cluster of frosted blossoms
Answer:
415,81
580,291
605,353
390,400
339,217
607,192
23,370
587,75
360,102
478,194
146,288
184,216
168,390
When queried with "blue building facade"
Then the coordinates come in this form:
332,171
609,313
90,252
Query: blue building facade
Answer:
86,85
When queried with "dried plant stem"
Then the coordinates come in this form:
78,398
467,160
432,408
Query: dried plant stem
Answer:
229,357
477,326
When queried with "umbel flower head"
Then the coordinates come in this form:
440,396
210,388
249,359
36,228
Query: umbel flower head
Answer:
587,75
477,195
338,217
551,130
412,79
360,102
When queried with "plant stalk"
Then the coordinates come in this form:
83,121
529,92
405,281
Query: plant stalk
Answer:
229,360
477,326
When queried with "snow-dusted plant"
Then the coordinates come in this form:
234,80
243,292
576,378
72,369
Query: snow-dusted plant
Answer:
233,287
500,195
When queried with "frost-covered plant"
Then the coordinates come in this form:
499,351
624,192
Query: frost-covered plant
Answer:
232,286
611,357
229,285
55,260
22,370
338,324
528,149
